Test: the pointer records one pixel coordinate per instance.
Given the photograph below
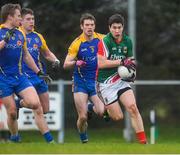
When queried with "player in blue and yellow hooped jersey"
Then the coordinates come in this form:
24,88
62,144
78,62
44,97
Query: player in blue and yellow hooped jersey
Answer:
82,55
12,50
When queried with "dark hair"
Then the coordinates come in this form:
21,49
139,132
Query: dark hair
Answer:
87,16
26,11
116,18
9,9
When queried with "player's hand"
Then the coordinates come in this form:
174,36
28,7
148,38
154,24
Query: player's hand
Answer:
129,63
56,65
9,34
45,77
80,63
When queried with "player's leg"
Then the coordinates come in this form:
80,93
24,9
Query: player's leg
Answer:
81,107
128,100
44,100
42,124
114,111
12,117
98,105
30,98
42,91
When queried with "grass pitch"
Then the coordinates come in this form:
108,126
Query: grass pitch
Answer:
101,141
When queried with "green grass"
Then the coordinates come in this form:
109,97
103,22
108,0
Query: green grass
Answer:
101,141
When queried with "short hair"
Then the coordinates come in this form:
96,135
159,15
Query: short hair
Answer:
8,9
116,18
87,16
26,11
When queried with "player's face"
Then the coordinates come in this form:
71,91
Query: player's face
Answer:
28,22
88,27
116,30
16,19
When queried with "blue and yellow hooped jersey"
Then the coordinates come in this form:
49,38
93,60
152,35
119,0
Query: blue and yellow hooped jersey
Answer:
11,54
85,50
35,44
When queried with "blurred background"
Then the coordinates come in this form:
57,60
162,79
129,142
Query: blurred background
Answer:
157,49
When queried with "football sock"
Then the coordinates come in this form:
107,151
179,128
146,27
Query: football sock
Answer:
48,137
15,138
141,136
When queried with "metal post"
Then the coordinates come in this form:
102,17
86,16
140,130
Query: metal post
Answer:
128,131
153,127
61,117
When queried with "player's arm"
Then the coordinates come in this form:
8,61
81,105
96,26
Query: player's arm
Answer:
69,62
29,60
103,62
6,38
48,55
46,52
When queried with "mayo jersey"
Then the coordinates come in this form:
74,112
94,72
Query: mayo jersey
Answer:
113,51
11,54
35,44
86,51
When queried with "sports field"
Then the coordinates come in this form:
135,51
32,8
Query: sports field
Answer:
101,141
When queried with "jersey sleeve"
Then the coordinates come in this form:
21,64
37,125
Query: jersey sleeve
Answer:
74,48
44,46
129,53
101,50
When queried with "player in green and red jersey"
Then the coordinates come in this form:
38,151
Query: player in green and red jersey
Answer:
114,50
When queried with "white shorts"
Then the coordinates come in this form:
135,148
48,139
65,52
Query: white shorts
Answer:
110,92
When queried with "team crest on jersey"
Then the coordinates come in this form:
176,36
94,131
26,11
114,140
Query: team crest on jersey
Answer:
37,40
19,43
125,49
35,46
92,48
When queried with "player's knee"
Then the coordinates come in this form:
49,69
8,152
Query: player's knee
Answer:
133,109
13,115
33,104
38,111
100,112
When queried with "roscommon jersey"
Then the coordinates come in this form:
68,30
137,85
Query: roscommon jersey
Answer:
12,54
86,51
35,44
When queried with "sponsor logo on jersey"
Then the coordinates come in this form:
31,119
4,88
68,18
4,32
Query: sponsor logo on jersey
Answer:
83,49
